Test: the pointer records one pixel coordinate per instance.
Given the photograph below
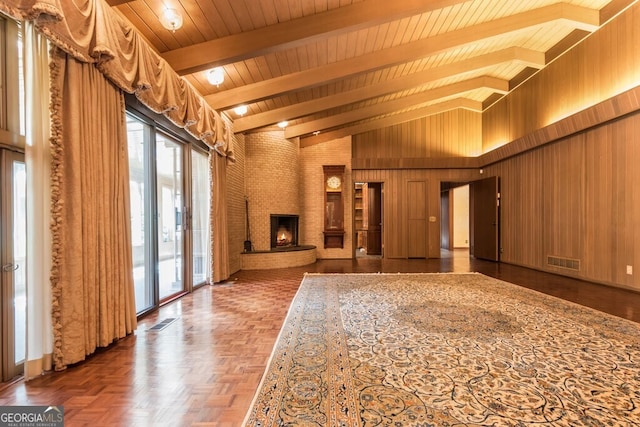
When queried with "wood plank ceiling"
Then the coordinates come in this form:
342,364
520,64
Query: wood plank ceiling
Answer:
333,68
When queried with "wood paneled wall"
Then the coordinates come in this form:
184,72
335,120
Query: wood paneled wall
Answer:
576,199
574,196
407,158
568,187
407,228
451,134
602,66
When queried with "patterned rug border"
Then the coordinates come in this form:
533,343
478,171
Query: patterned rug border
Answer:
274,350
283,331
520,287
540,296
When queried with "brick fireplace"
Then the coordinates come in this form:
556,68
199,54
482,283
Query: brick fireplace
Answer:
284,231
272,187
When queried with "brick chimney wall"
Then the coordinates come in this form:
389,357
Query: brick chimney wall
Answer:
235,204
272,182
312,158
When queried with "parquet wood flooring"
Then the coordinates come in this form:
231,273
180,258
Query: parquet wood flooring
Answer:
203,369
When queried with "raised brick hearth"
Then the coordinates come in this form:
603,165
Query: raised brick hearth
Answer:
279,258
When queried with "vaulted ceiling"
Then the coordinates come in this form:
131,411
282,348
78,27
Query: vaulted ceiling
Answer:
333,68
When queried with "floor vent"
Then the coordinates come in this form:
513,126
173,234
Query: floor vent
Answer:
160,326
571,264
225,283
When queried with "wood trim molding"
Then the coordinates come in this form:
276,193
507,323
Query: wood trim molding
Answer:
416,163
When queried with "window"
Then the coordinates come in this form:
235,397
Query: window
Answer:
13,214
171,204
12,106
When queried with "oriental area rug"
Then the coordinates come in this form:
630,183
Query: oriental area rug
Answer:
446,350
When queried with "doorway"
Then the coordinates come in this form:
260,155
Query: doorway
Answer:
13,251
470,217
368,220
454,211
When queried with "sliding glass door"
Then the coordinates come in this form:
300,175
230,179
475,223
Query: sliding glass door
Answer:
169,186
200,222
142,224
170,206
13,251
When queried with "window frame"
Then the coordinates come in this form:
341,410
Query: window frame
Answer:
12,93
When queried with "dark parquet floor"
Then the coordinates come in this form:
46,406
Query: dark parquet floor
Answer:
203,369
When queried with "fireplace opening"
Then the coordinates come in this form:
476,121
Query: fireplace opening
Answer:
284,231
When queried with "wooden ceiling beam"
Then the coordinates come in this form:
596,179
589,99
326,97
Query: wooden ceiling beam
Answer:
117,2
382,108
395,119
289,34
578,17
525,57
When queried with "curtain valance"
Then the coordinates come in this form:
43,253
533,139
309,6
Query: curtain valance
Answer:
91,32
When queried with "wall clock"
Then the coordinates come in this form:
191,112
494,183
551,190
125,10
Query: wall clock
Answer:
334,183
333,206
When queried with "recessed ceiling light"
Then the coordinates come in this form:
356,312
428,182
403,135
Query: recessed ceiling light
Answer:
283,124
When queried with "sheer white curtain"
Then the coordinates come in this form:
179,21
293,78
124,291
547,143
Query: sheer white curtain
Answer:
200,221
38,162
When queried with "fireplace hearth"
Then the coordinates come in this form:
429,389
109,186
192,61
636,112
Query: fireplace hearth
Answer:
284,231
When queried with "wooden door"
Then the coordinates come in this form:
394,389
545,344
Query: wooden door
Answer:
374,214
417,219
485,203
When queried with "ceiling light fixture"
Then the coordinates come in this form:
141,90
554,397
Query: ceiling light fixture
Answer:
171,19
216,76
240,110
283,124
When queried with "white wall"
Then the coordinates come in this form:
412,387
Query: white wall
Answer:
461,217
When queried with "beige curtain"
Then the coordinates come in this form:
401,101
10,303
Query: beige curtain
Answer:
32,9
92,272
92,32
39,334
220,236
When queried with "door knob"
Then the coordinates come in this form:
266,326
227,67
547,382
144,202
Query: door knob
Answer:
10,267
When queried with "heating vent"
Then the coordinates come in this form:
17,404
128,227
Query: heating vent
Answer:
160,326
571,264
